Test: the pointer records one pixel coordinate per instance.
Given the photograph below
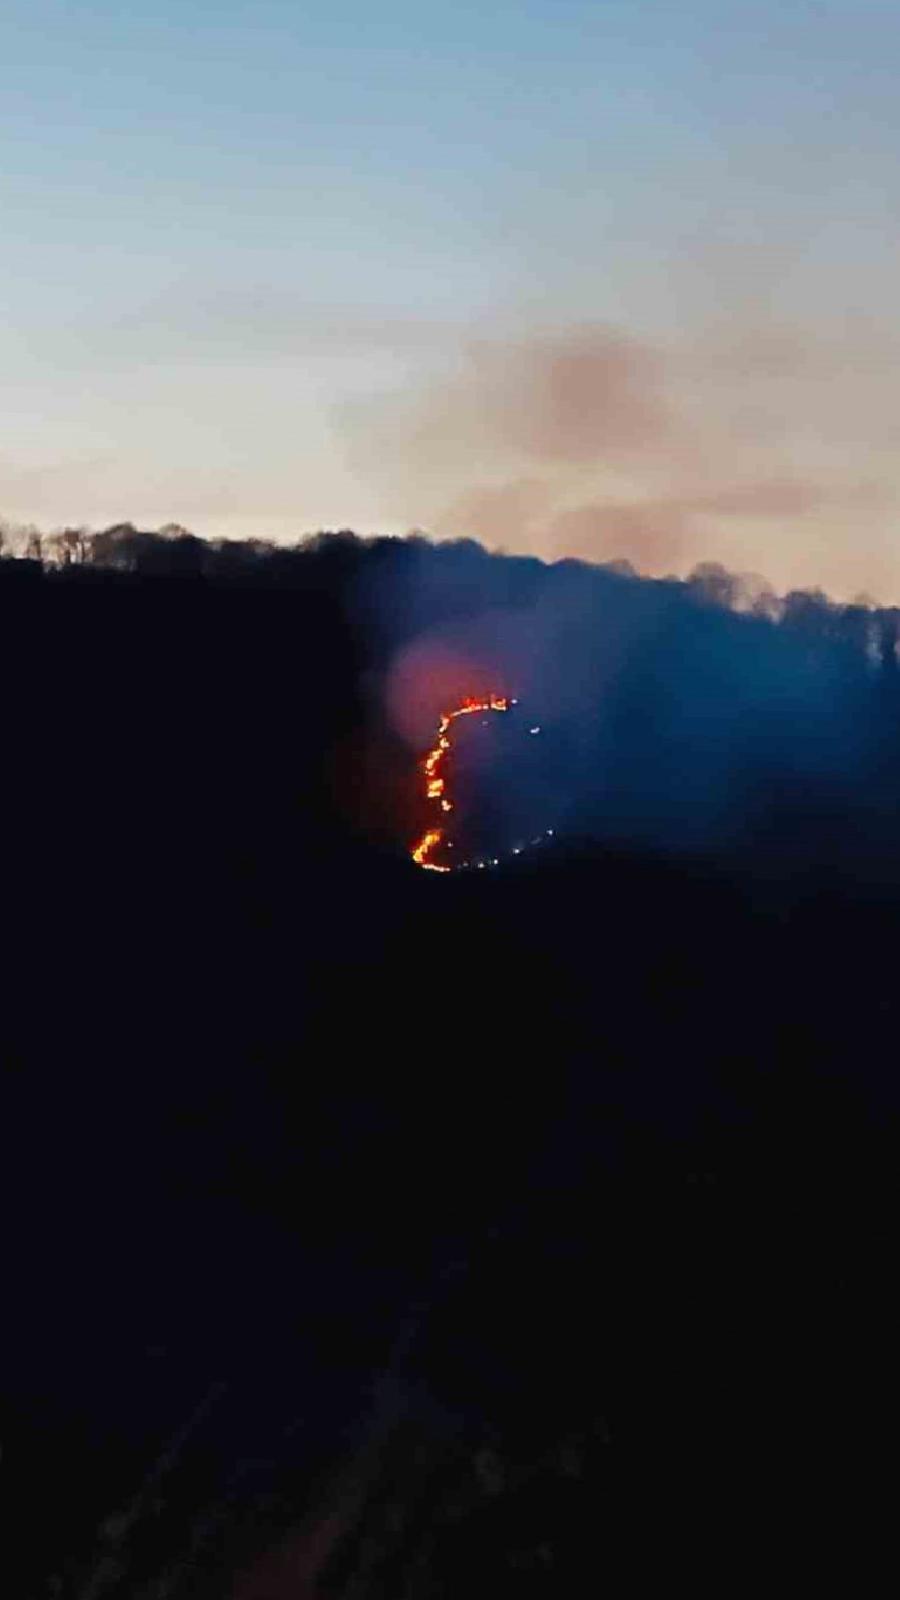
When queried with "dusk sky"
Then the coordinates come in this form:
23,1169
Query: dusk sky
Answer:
603,279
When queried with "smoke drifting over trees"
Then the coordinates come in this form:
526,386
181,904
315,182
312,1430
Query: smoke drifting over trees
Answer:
501,1215
764,443
706,715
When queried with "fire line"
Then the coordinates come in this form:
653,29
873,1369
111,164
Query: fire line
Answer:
435,784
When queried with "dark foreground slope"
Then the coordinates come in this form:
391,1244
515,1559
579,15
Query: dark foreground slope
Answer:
415,1232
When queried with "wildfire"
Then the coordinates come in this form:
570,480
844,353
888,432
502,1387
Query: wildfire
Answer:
426,843
435,785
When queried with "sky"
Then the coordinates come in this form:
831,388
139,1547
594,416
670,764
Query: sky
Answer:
612,280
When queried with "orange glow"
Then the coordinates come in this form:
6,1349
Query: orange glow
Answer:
426,843
435,786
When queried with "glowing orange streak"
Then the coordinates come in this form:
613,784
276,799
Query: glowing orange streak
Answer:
428,842
435,786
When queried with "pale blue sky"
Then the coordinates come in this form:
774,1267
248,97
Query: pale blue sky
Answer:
221,223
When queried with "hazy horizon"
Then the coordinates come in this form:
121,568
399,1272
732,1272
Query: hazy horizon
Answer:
570,279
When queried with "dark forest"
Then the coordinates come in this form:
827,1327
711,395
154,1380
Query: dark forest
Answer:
375,1232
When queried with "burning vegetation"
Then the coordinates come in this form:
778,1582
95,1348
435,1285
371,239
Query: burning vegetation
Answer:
436,783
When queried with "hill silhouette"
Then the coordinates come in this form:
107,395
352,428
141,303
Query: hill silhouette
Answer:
379,1229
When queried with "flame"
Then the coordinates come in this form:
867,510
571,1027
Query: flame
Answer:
435,785
426,843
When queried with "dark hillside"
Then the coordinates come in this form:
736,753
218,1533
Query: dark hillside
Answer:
573,1179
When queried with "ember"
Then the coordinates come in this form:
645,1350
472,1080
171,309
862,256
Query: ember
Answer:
435,785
